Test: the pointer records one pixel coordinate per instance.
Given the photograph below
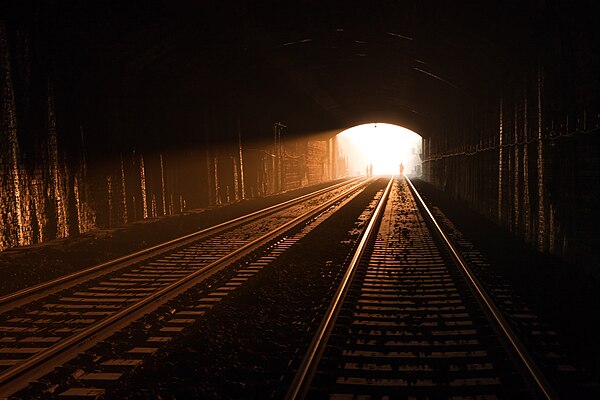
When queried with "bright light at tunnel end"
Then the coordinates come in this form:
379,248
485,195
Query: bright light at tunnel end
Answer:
384,146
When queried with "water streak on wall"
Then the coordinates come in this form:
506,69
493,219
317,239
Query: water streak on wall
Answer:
541,234
162,186
235,179
526,194
125,218
500,160
216,180
109,190
154,210
77,202
39,203
552,229
58,194
10,164
516,195
86,215
143,186
241,155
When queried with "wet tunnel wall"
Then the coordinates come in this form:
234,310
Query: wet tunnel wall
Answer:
525,153
72,163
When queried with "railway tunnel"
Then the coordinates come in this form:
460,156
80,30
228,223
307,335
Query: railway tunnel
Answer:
121,114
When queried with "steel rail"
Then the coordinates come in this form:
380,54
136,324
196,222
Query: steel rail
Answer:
306,370
90,335
159,249
536,378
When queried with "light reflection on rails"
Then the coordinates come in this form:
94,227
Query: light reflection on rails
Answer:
409,293
48,324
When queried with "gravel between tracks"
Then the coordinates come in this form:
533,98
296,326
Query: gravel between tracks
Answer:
243,346
562,294
29,265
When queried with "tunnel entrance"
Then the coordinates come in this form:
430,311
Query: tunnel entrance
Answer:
382,147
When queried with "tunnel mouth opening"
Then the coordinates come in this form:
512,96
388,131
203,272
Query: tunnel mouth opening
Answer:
379,148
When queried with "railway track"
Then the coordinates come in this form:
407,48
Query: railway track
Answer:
409,320
47,325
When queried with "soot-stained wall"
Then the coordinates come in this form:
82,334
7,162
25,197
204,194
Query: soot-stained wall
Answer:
525,151
73,161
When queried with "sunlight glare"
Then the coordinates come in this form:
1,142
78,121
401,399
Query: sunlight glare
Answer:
384,146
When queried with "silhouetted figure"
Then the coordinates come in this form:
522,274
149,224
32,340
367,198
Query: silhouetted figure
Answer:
401,169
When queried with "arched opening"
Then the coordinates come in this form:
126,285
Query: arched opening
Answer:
382,147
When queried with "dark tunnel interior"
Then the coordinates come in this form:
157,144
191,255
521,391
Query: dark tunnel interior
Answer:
505,95
116,111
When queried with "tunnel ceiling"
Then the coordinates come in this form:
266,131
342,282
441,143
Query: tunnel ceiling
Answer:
312,65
